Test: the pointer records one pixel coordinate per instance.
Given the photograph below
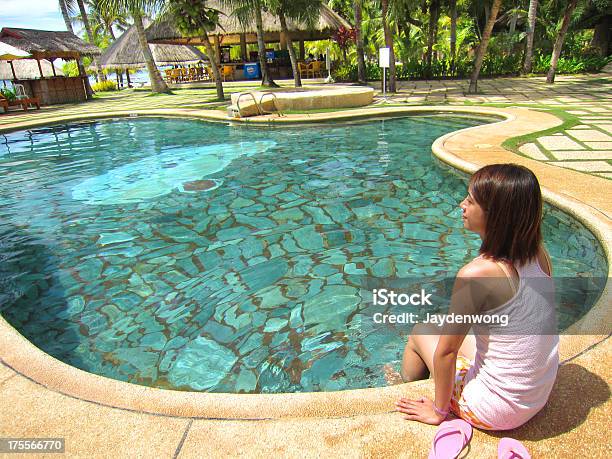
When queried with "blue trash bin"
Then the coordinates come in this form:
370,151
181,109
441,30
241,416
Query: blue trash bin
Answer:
252,71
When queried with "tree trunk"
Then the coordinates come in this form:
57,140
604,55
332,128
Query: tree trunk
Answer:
482,48
292,56
361,68
453,35
157,83
64,10
110,32
266,79
512,23
531,22
88,91
389,44
85,19
602,36
434,9
550,78
215,66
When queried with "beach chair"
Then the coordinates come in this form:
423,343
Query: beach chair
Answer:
193,75
175,75
304,68
20,92
227,72
5,103
200,74
317,69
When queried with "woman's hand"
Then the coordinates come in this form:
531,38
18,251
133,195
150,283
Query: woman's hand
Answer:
421,410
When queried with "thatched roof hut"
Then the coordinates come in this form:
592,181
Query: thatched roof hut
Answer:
45,44
27,69
230,29
125,53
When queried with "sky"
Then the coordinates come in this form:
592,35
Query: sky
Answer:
31,14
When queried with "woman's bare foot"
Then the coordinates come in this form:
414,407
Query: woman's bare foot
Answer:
392,376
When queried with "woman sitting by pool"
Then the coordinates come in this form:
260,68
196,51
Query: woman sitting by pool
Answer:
499,377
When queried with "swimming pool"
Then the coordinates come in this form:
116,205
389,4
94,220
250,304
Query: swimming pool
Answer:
201,256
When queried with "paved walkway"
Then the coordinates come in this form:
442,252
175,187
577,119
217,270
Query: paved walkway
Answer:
584,102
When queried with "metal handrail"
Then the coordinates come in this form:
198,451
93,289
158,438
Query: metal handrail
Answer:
273,103
257,106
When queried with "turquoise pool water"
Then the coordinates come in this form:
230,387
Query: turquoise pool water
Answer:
200,256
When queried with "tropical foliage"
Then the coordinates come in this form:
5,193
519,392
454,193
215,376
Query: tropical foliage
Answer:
107,85
428,38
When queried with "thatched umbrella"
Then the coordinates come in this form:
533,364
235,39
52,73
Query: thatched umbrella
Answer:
27,69
231,32
10,53
125,53
45,44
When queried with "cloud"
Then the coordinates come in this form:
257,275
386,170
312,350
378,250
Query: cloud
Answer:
34,8
38,14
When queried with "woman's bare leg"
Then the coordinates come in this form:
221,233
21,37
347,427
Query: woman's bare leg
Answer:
417,362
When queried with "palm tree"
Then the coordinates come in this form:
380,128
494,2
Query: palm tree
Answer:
531,21
550,77
361,70
136,9
453,35
280,12
389,44
85,19
302,11
482,48
65,8
246,11
434,13
103,20
197,22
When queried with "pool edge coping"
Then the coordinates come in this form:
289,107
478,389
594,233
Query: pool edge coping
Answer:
23,357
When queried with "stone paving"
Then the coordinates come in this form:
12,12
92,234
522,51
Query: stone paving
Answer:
585,147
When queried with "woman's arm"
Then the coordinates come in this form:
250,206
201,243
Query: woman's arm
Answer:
468,296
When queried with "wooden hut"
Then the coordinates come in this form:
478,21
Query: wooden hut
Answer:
50,45
231,32
125,53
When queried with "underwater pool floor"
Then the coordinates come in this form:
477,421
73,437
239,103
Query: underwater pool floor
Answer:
35,404
189,255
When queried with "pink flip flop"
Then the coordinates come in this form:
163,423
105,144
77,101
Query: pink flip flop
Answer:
451,438
509,448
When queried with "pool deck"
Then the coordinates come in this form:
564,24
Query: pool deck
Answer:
42,397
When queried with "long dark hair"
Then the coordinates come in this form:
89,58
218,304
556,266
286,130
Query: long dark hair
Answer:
511,197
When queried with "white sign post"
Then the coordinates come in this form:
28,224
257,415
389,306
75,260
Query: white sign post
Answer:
328,66
383,61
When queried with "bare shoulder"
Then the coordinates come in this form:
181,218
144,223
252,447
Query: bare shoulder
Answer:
544,260
479,268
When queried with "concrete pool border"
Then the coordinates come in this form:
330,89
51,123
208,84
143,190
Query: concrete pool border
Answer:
465,150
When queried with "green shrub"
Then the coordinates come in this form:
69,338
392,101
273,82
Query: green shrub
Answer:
107,85
6,92
569,65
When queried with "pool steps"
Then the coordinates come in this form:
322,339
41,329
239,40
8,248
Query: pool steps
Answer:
257,103
255,108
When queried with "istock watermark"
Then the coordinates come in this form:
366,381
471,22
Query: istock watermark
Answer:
440,319
384,297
